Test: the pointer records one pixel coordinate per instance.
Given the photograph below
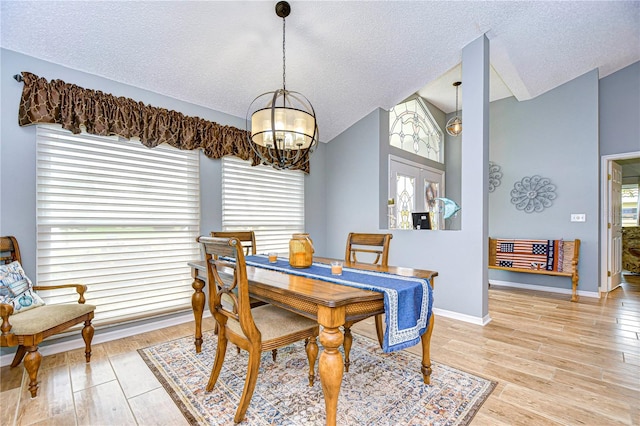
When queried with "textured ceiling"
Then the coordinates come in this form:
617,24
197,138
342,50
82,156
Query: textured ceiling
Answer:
348,58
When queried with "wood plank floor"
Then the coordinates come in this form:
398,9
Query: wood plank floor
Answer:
557,363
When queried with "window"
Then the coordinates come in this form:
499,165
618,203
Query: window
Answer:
413,187
268,201
118,217
412,128
630,204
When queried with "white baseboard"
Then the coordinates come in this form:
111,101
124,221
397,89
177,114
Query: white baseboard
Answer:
543,288
462,317
107,335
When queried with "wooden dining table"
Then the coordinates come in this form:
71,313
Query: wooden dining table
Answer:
331,305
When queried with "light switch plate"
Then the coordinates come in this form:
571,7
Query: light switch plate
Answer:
578,217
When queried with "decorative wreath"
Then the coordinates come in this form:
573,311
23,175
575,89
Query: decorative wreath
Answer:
533,194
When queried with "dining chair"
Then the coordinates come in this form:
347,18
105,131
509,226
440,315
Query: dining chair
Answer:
264,328
368,246
248,241
363,243
247,238
27,320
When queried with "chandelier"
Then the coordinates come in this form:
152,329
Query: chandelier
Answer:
283,125
454,125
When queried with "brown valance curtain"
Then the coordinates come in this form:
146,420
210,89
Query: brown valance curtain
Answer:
105,115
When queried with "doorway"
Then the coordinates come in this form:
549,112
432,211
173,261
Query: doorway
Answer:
610,214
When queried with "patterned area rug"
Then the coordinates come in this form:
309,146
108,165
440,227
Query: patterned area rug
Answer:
379,389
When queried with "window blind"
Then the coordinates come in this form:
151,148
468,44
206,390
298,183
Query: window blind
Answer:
118,217
268,201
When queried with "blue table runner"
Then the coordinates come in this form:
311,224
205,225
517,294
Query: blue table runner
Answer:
407,300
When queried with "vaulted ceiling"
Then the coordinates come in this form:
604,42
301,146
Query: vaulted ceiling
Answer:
347,57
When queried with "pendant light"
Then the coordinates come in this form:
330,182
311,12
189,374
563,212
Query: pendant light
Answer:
454,125
282,130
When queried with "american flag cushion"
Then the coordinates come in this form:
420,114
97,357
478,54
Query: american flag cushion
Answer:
530,254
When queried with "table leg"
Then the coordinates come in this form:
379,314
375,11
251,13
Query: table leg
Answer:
426,351
197,303
330,365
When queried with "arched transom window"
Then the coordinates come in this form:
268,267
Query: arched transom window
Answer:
413,129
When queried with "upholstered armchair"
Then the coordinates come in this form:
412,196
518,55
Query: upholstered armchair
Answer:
27,320
631,249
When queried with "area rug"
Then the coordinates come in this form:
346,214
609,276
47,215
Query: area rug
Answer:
379,389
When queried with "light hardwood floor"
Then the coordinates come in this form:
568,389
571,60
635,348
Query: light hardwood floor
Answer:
556,362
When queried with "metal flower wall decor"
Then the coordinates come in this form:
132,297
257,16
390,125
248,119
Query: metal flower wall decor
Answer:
495,176
533,194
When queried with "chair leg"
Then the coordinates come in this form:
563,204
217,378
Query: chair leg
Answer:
249,383
312,355
274,354
219,360
346,344
380,329
32,364
87,335
17,359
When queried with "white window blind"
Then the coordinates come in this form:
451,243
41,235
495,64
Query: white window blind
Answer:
118,217
268,201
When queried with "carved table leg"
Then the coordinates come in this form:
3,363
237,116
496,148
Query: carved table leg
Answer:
426,351
32,364
330,364
197,303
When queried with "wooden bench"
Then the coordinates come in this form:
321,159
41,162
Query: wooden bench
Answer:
570,255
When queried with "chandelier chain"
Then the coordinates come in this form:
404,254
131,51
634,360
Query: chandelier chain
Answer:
284,67
456,100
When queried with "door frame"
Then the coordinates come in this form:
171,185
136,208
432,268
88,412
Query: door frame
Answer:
604,213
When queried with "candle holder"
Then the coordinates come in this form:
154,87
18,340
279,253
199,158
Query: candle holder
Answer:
336,268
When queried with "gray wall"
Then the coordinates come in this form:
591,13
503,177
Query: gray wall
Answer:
555,136
352,183
18,156
315,199
354,163
620,111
